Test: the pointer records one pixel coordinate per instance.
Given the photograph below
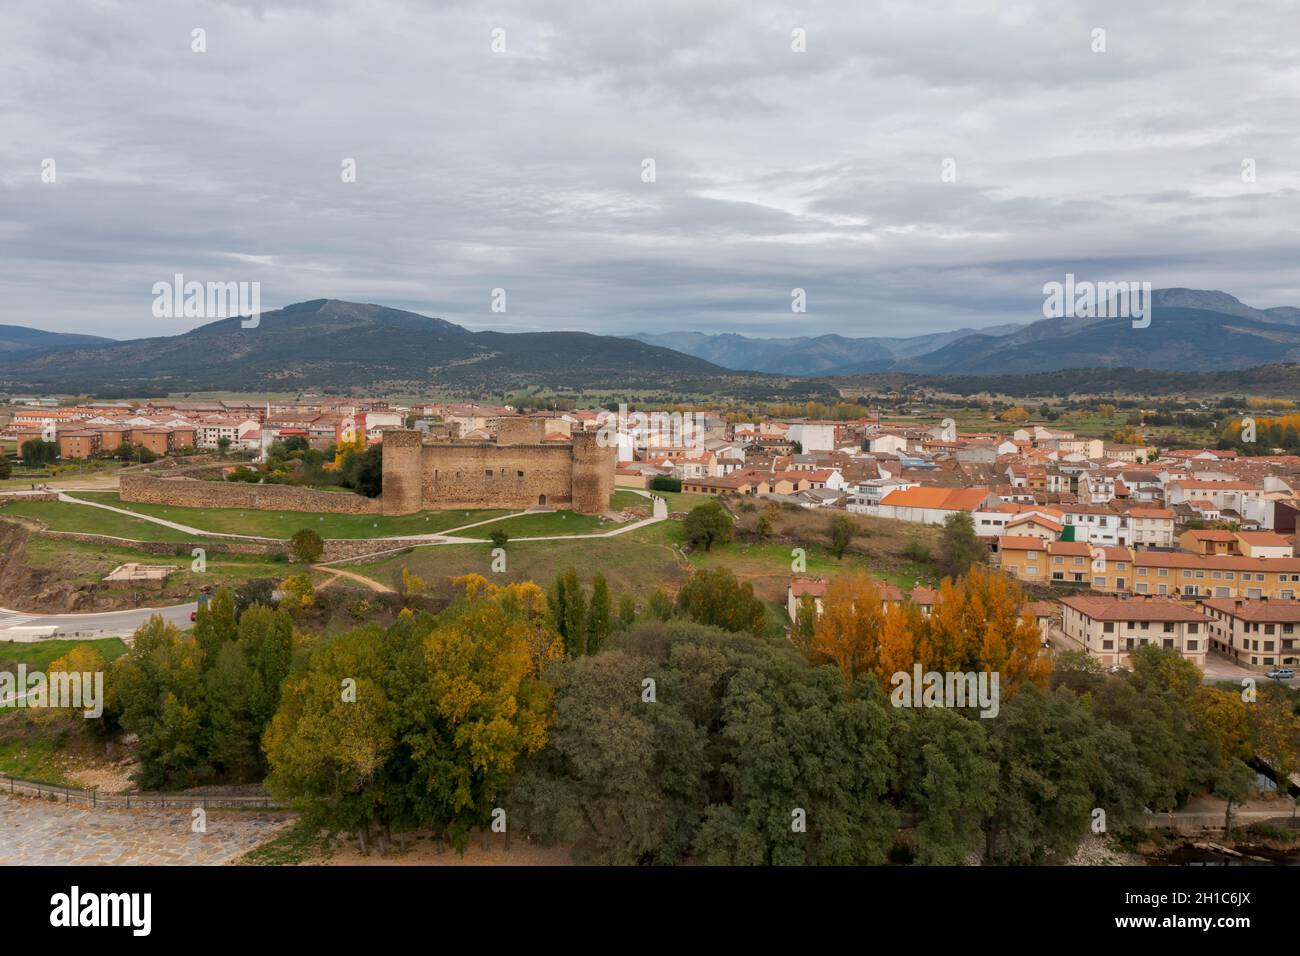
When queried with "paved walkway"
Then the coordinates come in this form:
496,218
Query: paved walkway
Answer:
35,832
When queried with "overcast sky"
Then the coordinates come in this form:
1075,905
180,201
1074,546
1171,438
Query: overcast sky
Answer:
522,169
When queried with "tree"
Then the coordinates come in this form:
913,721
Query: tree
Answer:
978,624
708,524
743,737
842,529
36,453
6,467
960,548
223,445
847,632
419,726
713,596
946,781
254,591
156,693
499,537
306,546
297,591
660,605
626,611
1015,415
568,606
598,614
412,584
1236,785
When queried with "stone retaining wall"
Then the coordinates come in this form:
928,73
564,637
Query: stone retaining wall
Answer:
173,547
189,493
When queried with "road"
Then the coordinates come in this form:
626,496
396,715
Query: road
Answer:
19,625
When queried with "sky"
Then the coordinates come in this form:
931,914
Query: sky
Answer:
915,167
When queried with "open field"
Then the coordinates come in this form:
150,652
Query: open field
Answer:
641,561
546,523
66,516
40,655
283,524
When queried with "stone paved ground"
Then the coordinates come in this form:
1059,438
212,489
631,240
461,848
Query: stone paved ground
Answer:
34,831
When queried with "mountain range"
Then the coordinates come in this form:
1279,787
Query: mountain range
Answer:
331,344
1191,330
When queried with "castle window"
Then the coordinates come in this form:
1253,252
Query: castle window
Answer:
520,474
489,472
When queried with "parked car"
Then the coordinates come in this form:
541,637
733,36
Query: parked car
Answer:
1280,673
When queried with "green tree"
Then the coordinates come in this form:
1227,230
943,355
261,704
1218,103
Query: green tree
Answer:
660,605
708,524
36,453
568,606
1236,785
499,537
598,614
306,546
960,548
945,780
741,733
714,597
841,530
626,611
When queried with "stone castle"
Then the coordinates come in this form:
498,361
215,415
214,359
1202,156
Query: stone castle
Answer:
518,471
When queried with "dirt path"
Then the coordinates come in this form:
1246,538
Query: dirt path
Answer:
352,576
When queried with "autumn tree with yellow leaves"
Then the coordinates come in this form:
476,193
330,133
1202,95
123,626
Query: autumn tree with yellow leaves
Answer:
976,625
419,726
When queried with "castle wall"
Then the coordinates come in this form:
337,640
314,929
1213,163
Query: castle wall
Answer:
191,493
485,475
492,475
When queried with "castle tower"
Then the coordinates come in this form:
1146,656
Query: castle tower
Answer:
593,473
402,472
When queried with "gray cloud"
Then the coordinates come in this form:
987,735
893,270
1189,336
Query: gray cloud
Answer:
521,170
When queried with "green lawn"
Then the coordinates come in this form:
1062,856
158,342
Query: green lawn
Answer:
65,516
35,759
282,524
40,654
546,523
639,561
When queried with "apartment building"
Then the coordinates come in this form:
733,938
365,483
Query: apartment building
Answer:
1111,628
1257,633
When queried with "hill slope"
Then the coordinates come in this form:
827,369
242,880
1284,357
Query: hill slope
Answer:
329,343
19,338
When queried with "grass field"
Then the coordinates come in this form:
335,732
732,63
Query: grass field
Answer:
283,524
643,560
546,523
32,759
65,516
40,654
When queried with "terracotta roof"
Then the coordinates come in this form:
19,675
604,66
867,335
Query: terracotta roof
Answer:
952,499
1131,609
813,586
1265,611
